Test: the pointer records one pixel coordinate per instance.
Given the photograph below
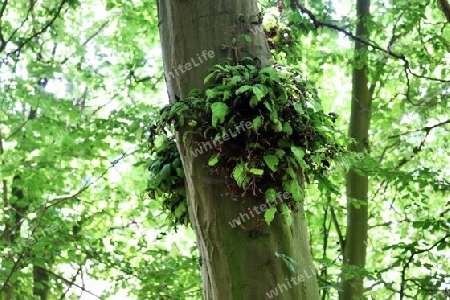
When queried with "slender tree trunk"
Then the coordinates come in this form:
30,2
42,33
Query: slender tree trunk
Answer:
357,183
40,282
445,7
7,231
240,262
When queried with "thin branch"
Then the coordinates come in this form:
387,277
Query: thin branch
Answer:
96,33
317,24
80,269
411,258
71,283
42,30
425,129
3,45
419,148
338,230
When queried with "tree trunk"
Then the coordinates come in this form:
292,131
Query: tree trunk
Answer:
239,262
357,183
41,284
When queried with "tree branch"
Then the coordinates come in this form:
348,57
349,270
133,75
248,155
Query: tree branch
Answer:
96,33
417,149
71,283
338,230
317,24
42,30
3,45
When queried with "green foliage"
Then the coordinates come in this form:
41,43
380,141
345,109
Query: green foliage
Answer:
100,76
74,87
167,180
269,123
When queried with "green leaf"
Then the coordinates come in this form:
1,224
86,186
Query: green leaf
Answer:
226,95
417,224
271,72
277,126
280,153
247,38
442,246
258,172
270,195
176,162
192,123
239,174
234,80
289,262
321,150
185,136
283,143
213,160
174,251
259,91
180,210
298,107
271,162
162,175
257,122
180,172
296,190
209,76
298,153
211,93
243,89
287,128
268,106
314,105
253,101
219,111
269,215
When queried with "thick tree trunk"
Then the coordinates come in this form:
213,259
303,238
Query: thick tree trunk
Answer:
239,262
357,184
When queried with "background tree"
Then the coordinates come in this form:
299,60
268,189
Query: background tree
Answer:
71,118
354,247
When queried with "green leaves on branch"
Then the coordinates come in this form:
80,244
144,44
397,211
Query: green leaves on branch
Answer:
219,111
271,162
166,181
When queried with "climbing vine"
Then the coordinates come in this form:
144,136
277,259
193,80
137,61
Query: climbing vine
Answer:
263,128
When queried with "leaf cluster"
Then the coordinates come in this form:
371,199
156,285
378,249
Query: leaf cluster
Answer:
267,126
167,180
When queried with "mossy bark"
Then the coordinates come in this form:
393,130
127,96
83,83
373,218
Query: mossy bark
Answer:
239,262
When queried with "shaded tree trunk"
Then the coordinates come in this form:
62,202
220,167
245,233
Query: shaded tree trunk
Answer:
41,284
240,262
445,7
357,182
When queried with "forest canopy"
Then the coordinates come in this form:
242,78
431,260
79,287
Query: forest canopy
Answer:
101,135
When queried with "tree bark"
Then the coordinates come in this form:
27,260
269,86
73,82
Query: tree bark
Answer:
445,7
40,282
357,183
240,262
